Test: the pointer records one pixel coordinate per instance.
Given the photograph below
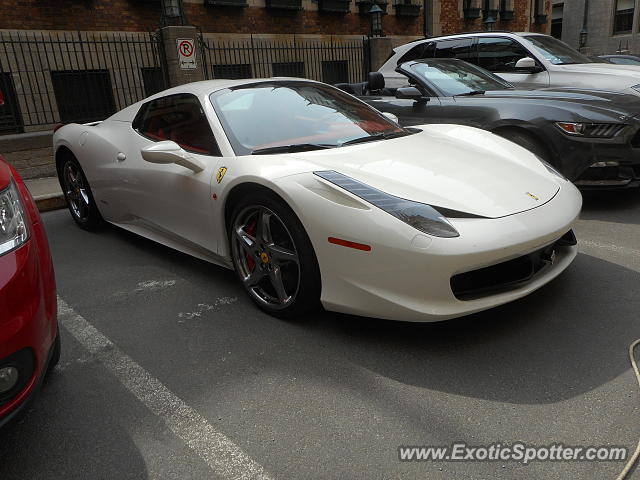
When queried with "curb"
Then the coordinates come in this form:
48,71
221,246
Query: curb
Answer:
54,201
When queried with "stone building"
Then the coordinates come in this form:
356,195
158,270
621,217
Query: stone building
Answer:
81,60
598,26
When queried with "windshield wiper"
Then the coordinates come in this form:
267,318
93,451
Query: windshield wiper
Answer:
296,147
377,136
472,92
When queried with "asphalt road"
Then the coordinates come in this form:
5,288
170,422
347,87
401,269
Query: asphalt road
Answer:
168,371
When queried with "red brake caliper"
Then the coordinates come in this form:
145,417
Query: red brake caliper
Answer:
251,231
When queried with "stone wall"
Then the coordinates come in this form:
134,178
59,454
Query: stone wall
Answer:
30,153
600,21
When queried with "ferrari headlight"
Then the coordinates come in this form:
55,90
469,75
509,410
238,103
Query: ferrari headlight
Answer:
591,130
420,216
636,88
13,224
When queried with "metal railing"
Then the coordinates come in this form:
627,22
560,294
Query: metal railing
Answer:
53,77
334,61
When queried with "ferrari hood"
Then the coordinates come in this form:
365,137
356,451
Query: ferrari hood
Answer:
451,166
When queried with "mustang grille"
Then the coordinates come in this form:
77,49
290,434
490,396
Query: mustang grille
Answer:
604,130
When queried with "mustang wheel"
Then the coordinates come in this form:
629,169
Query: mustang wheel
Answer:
527,141
273,257
78,195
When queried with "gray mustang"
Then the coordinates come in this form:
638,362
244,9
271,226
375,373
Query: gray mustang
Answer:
591,136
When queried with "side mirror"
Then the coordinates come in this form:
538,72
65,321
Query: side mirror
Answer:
167,152
390,116
528,64
410,93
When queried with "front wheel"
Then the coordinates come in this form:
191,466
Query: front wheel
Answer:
77,193
527,141
273,257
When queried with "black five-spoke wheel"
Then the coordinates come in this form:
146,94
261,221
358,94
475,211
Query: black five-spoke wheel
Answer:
274,257
78,194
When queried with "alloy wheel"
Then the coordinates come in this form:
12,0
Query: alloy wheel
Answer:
76,191
265,256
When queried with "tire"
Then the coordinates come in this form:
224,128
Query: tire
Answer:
77,193
277,266
55,353
527,141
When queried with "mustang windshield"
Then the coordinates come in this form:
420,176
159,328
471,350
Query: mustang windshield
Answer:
455,77
557,52
265,115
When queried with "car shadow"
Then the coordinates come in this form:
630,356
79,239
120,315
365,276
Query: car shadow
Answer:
612,205
567,338
71,431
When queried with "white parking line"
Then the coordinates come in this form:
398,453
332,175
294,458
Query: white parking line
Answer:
223,456
610,247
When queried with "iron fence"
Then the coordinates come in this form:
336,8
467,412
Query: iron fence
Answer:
61,77
53,77
335,61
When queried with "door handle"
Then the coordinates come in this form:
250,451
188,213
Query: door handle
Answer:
121,157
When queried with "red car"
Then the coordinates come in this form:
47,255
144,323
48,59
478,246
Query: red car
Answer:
29,339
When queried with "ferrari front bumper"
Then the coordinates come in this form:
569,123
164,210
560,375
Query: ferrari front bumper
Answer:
406,275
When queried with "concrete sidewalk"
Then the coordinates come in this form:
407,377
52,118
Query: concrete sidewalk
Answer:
47,193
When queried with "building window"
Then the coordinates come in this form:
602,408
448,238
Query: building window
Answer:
557,15
153,80
335,71
83,95
288,69
623,20
233,71
10,118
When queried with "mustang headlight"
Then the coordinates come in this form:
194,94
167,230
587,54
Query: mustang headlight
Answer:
13,224
420,216
591,130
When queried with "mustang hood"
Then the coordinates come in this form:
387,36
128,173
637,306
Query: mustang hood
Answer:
620,103
451,166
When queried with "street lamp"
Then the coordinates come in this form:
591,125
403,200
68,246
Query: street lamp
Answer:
489,23
583,37
172,12
376,21
490,14
171,8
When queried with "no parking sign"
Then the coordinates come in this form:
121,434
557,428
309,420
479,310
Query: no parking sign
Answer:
186,53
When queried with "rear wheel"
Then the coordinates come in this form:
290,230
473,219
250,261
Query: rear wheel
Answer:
77,193
273,257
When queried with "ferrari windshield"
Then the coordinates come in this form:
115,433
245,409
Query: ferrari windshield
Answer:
455,77
557,52
260,117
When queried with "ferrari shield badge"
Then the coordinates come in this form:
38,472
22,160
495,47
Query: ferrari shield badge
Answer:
220,174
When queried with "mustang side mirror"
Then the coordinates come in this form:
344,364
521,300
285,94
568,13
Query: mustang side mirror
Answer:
410,93
167,152
390,116
528,64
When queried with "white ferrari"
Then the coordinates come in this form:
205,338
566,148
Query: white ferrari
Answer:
314,197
